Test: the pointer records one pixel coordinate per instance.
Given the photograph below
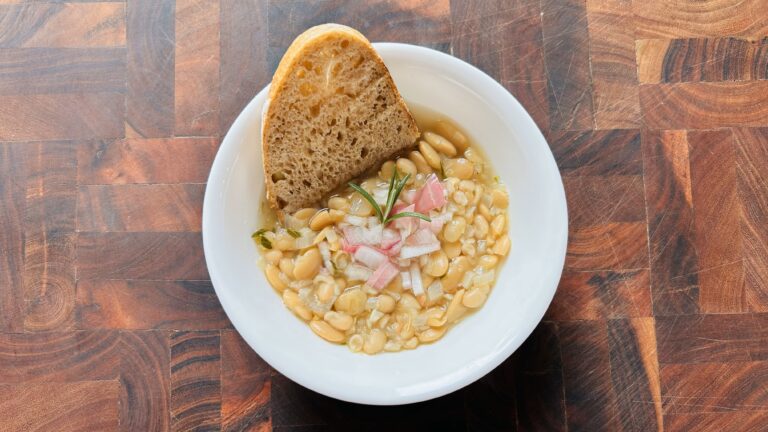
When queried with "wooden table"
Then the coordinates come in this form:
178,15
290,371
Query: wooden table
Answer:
656,111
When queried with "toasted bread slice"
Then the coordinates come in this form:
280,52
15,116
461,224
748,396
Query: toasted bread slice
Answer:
333,112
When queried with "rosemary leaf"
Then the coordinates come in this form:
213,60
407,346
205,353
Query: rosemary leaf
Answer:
369,198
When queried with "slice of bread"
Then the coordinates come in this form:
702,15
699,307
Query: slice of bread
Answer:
333,112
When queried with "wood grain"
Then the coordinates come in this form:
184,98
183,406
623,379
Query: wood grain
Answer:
752,172
243,70
604,199
590,400
504,39
246,387
145,381
174,305
197,67
12,202
703,105
166,160
79,406
149,103
717,216
59,357
148,256
660,19
714,387
635,373
669,201
597,153
611,246
612,64
538,381
569,80
712,338
601,295
61,70
173,207
735,421
67,25
61,116
195,381
488,401
693,60
49,236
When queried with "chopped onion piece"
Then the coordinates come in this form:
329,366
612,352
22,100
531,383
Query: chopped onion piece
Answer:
434,291
325,252
355,220
466,281
405,277
369,257
356,272
416,283
355,235
430,196
383,275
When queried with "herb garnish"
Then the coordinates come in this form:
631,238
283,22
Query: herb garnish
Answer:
396,186
293,233
263,241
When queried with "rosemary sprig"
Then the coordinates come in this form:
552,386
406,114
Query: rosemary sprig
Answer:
396,186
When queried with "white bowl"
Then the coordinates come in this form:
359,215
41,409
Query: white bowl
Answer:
528,278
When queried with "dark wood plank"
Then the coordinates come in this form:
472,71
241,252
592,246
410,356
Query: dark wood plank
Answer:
601,295
752,172
197,67
140,208
719,338
538,380
717,219
61,116
693,60
668,197
293,405
150,39
245,386
503,38
590,400
243,53
119,304
62,25
422,22
611,246
612,62
195,381
598,153
703,105
735,421
635,373
163,256
49,236
13,193
61,70
172,160
715,387
145,381
490,401
661,19
59,356
598,200
41,407
566,54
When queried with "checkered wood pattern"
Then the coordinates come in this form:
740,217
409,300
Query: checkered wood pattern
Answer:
111,114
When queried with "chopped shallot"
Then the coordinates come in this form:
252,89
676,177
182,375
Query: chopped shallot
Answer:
369,257
357,235
357,272
325,252
383,275
405,277
416,283
431,196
